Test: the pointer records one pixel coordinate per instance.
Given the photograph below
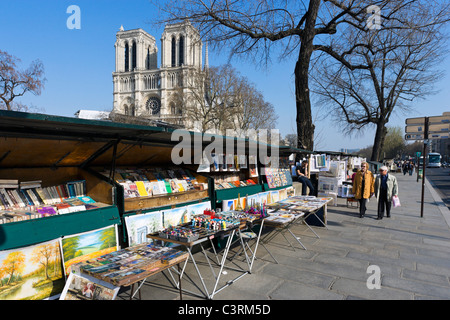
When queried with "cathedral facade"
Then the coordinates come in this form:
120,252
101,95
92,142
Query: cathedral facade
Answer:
143,89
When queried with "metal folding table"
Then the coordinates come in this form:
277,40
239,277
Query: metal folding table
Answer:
218,262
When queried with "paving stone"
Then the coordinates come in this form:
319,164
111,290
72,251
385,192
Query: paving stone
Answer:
360,289
417,287
296,291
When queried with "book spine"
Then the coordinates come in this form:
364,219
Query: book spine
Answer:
11,198
41,193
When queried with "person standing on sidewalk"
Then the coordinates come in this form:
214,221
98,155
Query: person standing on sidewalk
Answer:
302,174
385,188
363,187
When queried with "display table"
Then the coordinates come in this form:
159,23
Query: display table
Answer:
291,211
133,265
216,265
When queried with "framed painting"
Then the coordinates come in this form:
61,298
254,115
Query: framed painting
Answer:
84,246
32,273
138,226
84,287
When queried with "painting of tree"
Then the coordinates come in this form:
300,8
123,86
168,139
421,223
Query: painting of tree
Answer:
14,265
31,273
88,245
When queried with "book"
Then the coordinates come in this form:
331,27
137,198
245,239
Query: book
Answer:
30,184
9,183
86,199
141,189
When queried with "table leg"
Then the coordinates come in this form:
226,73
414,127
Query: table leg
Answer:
179,281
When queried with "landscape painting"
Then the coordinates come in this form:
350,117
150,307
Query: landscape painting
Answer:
31,273
88,245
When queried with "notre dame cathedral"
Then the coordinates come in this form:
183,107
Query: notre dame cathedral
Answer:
142,89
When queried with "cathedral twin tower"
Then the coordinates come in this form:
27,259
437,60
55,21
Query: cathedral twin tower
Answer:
144,90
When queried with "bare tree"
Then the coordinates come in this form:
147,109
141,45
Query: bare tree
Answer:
401,64
253,28
220,98
15,83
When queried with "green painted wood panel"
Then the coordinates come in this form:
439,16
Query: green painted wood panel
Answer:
25,233
233,193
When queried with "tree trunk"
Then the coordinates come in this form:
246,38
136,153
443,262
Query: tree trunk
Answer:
305,127
378,143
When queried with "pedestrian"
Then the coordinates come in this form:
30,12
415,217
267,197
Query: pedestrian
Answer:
385,188
363,187
405,167
302,174
411,168
355,170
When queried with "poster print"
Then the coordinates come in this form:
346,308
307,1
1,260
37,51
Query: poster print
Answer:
290,192
263,196
253,200
31,273
88,245
174,217
85,287
282,194
138,226
275,196
198,208
228,205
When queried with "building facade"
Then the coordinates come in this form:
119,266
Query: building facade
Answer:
143,89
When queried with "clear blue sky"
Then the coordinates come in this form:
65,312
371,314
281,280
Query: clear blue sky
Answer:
79,63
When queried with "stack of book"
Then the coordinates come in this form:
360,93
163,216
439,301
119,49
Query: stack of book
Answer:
29,200
154,182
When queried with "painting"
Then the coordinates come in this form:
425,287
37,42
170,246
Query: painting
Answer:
85,287
177,216
32,273
88,245
138,226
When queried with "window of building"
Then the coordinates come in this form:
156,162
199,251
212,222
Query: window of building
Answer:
174,50
181,51
133,58
127,57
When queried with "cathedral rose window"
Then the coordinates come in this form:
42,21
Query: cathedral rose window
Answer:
153,105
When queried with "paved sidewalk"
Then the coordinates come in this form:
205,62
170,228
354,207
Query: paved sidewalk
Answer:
412,253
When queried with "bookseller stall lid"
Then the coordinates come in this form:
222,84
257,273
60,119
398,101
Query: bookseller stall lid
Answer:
285,151
23,124
36,125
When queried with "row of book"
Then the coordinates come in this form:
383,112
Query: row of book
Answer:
68,205
234,184
32,194
155,181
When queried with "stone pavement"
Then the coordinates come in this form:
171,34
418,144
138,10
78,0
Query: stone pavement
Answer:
412,254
